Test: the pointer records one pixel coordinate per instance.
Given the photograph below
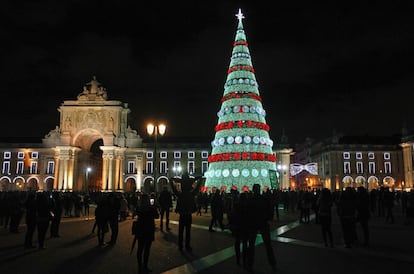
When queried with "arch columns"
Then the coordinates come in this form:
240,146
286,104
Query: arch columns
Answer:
112,168
65,168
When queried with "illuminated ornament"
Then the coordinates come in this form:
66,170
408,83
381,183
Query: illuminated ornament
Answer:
247,139
245,188
262,140
246,109
255,172
256,140
227,110
312,168
226,173
263,172
218,173
238,139
235,173
221,141
236,109
230,140
252,109
245,172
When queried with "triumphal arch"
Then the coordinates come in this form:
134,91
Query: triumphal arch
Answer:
94,147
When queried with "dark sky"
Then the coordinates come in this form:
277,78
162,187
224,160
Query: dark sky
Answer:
318,68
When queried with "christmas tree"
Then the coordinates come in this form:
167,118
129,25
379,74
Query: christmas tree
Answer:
242,153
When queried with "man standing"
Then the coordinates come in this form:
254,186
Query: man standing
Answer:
165,202
185,207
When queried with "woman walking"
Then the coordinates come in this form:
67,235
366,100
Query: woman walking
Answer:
324,205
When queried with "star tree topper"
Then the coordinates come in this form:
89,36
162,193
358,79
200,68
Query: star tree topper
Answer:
240,16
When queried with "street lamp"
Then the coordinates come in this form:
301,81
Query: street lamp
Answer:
155,130
88,169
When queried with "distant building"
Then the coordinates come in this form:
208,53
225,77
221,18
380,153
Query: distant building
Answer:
353,161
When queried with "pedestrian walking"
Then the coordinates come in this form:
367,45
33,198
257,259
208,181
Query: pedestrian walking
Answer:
363,212
324,205
145,231
165,204
31,219
44,216
102,217
346,212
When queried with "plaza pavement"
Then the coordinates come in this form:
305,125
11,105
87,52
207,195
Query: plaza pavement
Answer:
298,248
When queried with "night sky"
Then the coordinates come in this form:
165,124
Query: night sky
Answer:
319,69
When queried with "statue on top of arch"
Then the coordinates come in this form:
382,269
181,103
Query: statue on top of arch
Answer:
93,91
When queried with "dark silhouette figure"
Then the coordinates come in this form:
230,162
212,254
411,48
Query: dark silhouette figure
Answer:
102,217
165,203
363,212
217,210
324,205
57,209
44,209
114,208
31,219
259,214
346,212
145,232
238,227
185,207
388,202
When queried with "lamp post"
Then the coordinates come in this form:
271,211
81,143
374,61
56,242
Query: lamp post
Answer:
88,169
155,130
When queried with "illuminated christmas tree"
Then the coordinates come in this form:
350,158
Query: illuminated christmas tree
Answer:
242,153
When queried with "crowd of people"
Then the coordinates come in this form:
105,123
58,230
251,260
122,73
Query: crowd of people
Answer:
245,214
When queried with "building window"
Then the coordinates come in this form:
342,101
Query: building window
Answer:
204,154
347,167
347,155
131,167
191,168
387,167
6,167
150,155
387,156
20,155
191,155
163,167
371,167
359,168
177,155
371,155
204,166
358,156
149,167
34,155
33,168
20,167
163,155
7,155
50,167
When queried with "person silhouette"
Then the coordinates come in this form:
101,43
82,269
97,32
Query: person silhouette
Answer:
185,207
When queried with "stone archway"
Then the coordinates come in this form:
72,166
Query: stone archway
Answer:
130,185
4,184
32,185
148,185
373,183
347,181
49,184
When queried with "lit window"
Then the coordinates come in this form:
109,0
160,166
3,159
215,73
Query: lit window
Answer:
191,155
358,155
191,168
20,167
33,168
204,166
204,154
20,155
387,156
347,167
6,167
387,167
35,155
131,167
163,167
371,167
150,155
7,155
177,154
50,167
149,167
347,155
359,167
163,155
371,155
